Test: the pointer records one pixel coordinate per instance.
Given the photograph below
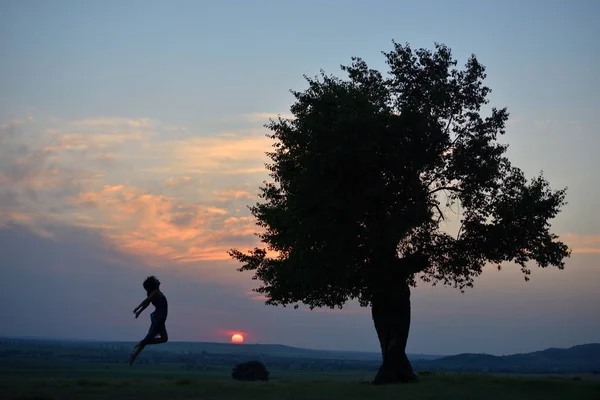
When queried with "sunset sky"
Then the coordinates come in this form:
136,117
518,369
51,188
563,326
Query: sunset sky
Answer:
132,139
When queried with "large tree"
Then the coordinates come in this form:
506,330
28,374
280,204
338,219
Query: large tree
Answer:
364,178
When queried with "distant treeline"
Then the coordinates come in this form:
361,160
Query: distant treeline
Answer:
21,352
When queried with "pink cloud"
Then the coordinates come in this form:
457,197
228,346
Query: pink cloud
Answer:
155,225
582,243
255,296
114,122
106,157
178,181
210,155
231,194
240,226
127,200
12,216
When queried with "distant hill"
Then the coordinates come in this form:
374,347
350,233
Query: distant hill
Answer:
270,350
277,350
578,359
581,358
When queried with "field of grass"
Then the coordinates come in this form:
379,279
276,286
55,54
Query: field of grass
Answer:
155,382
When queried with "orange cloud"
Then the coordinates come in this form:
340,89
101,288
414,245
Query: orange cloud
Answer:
255,296
97,134
47,173
176,182
156,225
11,216
33,177
115,122
25,219
105,157
11,124
582,243
240,226
211,155
226,195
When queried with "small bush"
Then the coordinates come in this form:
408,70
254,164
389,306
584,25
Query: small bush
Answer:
250,371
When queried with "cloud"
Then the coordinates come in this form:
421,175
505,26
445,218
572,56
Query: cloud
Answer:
178,181
221,155
33,177
240,226
232,194
152,225
582,243
13,216
105,157
9,128
99,134
149,193
114,122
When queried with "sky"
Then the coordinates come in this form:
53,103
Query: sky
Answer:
132,140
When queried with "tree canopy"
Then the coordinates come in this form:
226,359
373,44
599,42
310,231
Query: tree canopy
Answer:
369,168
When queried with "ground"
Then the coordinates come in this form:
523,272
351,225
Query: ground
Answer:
118,382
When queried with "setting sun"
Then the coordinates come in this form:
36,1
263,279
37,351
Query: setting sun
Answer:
237,338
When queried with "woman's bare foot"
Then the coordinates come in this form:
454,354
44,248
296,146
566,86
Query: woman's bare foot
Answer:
133,356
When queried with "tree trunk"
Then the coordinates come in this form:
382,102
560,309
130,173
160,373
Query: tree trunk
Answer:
391,314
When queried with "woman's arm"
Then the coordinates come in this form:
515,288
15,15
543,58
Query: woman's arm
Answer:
145,303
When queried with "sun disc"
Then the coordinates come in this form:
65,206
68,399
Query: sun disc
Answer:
237,338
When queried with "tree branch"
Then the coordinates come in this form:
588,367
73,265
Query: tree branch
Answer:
460,231
449,122
451,188
458,136
441,216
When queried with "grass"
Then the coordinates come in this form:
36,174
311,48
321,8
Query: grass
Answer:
164,384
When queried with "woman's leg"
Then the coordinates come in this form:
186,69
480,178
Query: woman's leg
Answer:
136,352
155,329
163,335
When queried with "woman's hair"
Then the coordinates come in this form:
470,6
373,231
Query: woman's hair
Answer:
151,284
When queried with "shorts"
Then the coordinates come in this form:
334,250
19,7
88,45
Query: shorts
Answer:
157,326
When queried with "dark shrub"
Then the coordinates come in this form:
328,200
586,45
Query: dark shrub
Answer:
250,371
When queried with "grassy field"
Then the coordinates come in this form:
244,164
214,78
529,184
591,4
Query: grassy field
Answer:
152,382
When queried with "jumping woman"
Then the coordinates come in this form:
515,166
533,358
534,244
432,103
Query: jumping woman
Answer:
157,319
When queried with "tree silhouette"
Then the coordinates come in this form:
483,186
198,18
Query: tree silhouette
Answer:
363,178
